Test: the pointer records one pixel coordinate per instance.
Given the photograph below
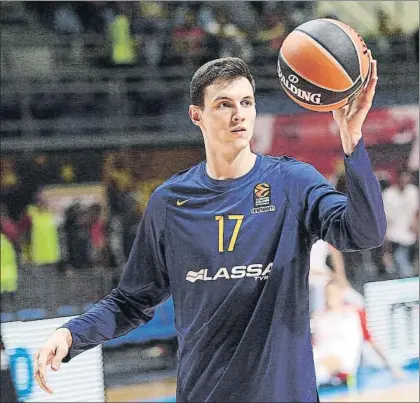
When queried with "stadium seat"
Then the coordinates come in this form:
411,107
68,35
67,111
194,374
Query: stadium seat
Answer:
68,310
7,317
32,314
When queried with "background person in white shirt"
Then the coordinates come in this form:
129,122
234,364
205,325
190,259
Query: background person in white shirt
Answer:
320,274
401,202
340,335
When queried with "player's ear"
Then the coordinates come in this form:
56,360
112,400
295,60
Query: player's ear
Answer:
195,114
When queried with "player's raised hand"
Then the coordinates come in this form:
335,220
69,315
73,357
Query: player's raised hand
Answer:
51,353
351,117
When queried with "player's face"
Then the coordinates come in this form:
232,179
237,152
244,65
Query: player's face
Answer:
229,113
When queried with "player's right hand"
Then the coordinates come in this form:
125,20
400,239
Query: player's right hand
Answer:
51,353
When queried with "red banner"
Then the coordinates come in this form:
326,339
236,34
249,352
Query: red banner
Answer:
314,137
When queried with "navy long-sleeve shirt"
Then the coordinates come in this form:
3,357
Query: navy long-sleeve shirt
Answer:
234,254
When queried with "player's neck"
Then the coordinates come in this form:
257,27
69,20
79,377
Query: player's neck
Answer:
222,166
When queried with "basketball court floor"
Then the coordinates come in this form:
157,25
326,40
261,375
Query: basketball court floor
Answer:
374,386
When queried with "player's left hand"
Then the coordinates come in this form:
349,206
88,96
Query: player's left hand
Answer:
351,117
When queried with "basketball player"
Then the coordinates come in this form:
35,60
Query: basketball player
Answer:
229,239
340,335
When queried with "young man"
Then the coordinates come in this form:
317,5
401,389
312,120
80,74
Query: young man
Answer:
230,240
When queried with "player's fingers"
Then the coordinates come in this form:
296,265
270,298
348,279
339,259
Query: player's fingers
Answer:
373,77
59,355
363,102
374,72
371,86
41,370
42,382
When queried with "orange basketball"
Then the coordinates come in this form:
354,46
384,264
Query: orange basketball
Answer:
323,64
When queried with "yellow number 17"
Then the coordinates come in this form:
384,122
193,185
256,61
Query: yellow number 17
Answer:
221,220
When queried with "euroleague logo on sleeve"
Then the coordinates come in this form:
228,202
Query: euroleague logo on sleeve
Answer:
262,199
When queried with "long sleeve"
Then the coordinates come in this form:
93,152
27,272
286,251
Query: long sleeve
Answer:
353,222
143,286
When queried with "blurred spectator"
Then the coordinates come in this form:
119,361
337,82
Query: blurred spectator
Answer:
39,223
131,220
121,174
97,229
91,19
67,172
321,273
44,12
298,11
10,184
106,12
116,242
273,33
401,202
66,20
338,336
242,14
122,43
35,173
150,24
9,179
77,237
187,41
8,259
386,29
120,182
205,15
232,42
386,25
382,255
8,226
9,267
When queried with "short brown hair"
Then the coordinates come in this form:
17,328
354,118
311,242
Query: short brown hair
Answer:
224,69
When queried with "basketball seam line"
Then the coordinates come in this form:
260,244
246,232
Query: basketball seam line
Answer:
351,38
335,62
310,81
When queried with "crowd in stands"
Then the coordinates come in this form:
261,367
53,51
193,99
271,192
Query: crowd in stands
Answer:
174,33
186,33
79,238
151,36
86,236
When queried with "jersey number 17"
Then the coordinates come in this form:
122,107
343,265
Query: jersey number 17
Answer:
239,218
